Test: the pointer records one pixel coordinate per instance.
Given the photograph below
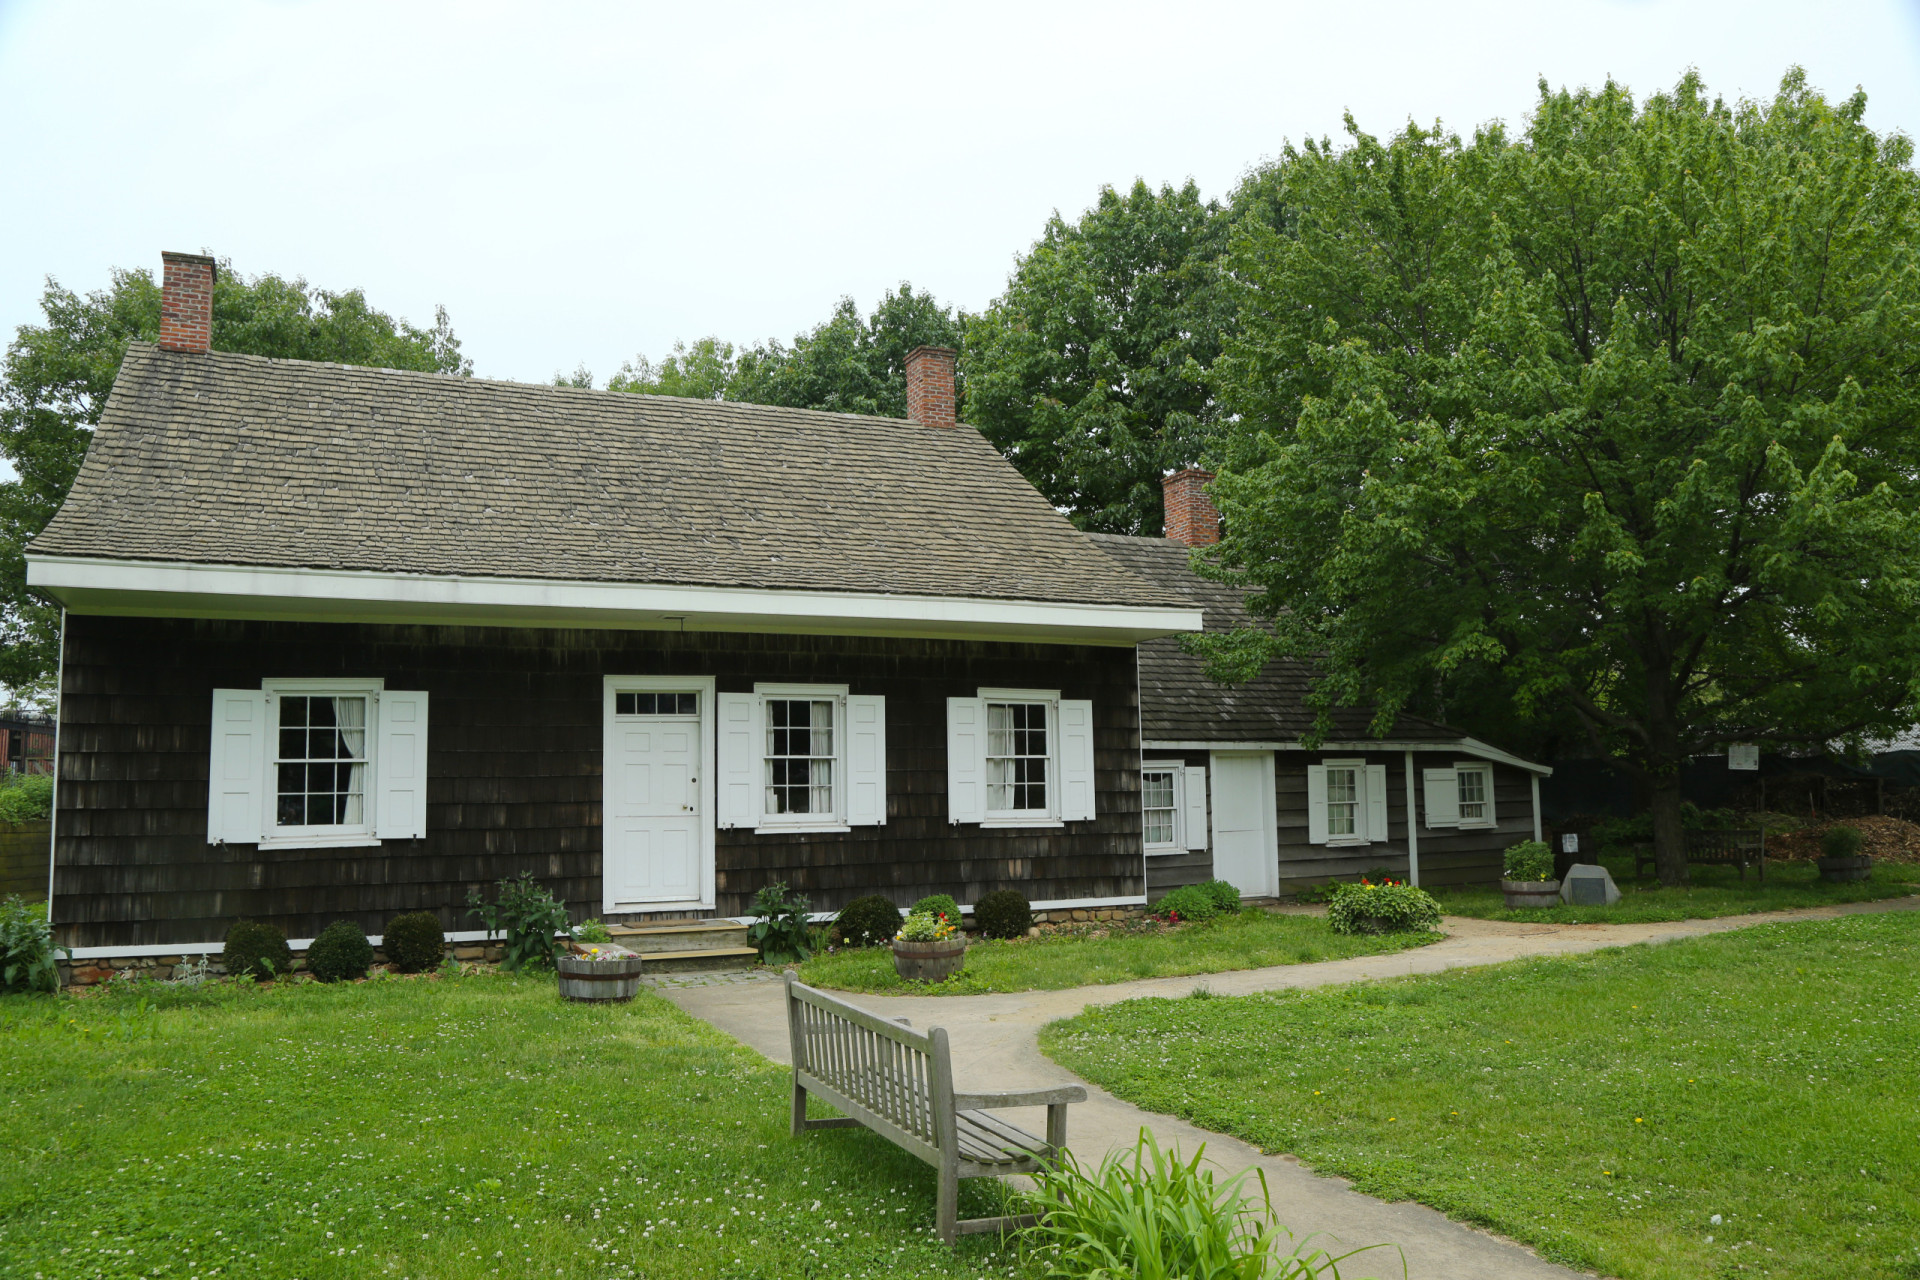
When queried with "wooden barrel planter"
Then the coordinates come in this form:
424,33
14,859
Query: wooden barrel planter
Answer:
1531,893
608,977
929,961
1841,870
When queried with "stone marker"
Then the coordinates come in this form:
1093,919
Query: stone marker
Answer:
1586,885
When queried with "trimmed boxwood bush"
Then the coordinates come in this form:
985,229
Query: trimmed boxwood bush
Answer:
868,922
1528,860
1224,896
1382,908
1841,842
415,942
256,949
1189,902
1004,913
341,953
939,904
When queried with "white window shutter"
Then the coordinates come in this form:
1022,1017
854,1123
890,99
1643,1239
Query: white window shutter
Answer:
1316,804
400,766
1195,804
1443,797
966,760
1376,802
1076,760
737,755
236,767
1492,818
866,760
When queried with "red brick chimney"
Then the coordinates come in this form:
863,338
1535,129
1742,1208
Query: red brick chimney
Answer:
186,302
1191,519
930,386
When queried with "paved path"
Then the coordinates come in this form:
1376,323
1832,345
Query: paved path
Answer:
995,1046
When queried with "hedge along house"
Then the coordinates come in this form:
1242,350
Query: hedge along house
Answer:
1228,790
344,642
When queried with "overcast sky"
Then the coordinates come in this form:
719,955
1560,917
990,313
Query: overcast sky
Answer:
579,182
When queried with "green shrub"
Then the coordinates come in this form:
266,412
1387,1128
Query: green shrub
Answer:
530,917
1224,896
1004,913
594,931
939,904
1841,842
868,922
1382,908
780,928
415,942
1146,1213
1315,892
1189,902
1528,860
256,950
28,958
25,797
341,953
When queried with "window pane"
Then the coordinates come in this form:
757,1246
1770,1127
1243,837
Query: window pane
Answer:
799,754
1016,756
320,773
1156,790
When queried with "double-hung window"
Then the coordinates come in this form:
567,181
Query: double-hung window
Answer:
1461,796
1019,758
802,757
1346,802
320,769
1173,806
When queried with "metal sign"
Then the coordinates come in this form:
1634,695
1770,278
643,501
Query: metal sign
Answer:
1743,755
1570,843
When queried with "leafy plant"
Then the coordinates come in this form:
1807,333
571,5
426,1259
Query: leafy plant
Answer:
1315,892
867,922
780,928
341,953
1381,908
25,797
415,942
1003,913
28,958
1841,842
940,904
593,930
1189,902
531,918
1147,1214
1528,860
1224,896
925,926
256,950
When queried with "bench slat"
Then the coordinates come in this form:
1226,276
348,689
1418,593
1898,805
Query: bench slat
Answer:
995,1130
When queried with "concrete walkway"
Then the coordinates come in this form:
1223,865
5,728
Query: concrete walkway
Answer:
995,1046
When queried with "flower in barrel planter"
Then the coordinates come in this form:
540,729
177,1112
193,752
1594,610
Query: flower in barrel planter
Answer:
1527,878
1387,907
1840,856
928,948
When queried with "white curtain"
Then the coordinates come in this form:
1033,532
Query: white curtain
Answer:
350,719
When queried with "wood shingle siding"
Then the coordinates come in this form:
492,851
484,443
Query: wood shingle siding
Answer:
514,773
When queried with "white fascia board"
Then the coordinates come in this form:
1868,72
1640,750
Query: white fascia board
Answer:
1470,746
172,589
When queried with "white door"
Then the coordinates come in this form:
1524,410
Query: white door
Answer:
655,819
1246,846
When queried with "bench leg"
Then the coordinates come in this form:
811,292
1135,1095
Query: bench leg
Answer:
946,1220
799,1106
1057,1127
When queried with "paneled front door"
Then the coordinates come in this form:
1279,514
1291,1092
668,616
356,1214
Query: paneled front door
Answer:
1246,843
657,822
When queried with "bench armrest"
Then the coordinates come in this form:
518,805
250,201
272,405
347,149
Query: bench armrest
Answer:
1031,1098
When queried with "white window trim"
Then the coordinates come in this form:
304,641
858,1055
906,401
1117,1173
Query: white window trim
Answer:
1050,816
361,835
1359,835
804,823
1481,767
1178,768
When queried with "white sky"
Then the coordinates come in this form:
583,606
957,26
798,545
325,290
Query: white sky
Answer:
579,182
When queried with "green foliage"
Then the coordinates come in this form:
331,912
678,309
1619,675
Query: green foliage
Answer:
341,953
1224,895
532,920
28,958
925,926
1618,834
868,922
1710,891
25,797
1841,842
593,930
1528,860
939,904
1145,1214
256,950
1612,415
1382,908
1188,902
1003,913
56,377
414,942
780,927
1091,372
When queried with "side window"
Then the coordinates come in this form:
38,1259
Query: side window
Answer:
1020,757
1159,809
1343,801
1346,802
1475,783
801,758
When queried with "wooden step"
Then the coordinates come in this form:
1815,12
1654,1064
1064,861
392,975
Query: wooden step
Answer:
688,935
700,960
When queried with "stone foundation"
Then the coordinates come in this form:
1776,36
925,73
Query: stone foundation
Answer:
1083,915
88,973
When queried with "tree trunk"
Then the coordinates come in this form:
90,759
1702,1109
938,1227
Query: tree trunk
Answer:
1669,838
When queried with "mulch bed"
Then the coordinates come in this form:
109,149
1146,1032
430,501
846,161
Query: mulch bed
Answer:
1890,839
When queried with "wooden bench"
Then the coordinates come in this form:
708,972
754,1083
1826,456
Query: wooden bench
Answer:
1740,848
898,1082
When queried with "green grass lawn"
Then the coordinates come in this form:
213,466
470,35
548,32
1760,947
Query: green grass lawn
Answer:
1250,940
1603,1108
1715,891
445,1128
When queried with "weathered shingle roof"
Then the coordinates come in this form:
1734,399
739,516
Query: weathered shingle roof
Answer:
1178,703
240,460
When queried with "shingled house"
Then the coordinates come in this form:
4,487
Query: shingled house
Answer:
345,642
1228,791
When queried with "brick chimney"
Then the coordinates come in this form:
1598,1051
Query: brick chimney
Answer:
186,302
930,386
1191,519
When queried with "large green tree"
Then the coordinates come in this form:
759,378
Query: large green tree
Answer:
1624,408
57,376
1091,372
